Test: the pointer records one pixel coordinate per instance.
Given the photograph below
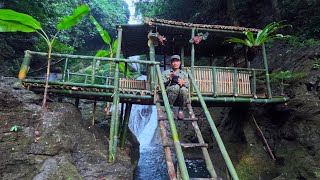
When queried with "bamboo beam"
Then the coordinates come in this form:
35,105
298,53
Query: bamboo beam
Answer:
235,82
242,100
68,84
215,131
125,125
265,62
175,138
92,57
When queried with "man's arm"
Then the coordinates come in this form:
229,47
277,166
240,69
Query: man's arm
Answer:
166,78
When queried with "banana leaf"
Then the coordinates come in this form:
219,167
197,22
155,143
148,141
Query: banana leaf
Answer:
115,46
122,68
19,18
12,26
74,19
103,33
102,53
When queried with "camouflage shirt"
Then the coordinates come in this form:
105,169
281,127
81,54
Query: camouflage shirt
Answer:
180,73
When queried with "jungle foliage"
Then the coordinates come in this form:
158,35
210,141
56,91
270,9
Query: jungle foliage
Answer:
303,15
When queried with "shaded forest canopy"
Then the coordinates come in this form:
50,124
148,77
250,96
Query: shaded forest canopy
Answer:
303,15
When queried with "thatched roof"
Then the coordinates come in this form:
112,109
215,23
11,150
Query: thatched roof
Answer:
178,34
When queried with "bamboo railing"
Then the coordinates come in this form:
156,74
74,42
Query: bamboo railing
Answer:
227,81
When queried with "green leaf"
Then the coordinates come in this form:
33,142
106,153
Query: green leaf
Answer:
74,19
115,46
122,68
11,26
19,18
102,53
14,128
103,33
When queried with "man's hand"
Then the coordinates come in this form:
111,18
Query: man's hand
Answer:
171,76
180,82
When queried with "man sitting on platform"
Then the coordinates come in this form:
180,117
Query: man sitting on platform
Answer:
177,84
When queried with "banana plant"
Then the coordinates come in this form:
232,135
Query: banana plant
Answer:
12,21
283,76
112,46
265,35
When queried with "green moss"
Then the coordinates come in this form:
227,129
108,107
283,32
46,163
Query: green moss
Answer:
248,167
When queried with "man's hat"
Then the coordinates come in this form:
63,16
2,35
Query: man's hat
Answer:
175,57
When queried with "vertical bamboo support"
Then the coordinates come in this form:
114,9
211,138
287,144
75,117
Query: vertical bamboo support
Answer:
267,70
152,68
192,52
24,66
125,125
94,112
182,57
235,82
214,75
254,83
215,132
113,138
76,103
93,73
65,70
175,138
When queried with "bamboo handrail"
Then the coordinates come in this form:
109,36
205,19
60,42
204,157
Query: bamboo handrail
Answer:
175,138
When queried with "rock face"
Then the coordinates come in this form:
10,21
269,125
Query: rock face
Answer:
52,145
291,129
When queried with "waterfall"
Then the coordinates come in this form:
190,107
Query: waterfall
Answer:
143,122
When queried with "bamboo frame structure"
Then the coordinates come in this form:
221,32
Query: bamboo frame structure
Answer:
125,125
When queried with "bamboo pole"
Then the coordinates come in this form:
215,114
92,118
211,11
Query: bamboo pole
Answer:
152,68
215,132
192,52
92,57
265,62
175,138
235,82
254,83
24,66
125,125
65,70
94,112
113,141
182,57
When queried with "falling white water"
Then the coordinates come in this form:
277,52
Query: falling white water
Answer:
143,122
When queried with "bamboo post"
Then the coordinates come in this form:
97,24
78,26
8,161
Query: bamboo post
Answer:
113,138
93,73
192,52
235,82
267,70
182,57
254,83
24,66
94,112
175,138
152,68
215,131
264,139
65,70
125,125
214,75
76,103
